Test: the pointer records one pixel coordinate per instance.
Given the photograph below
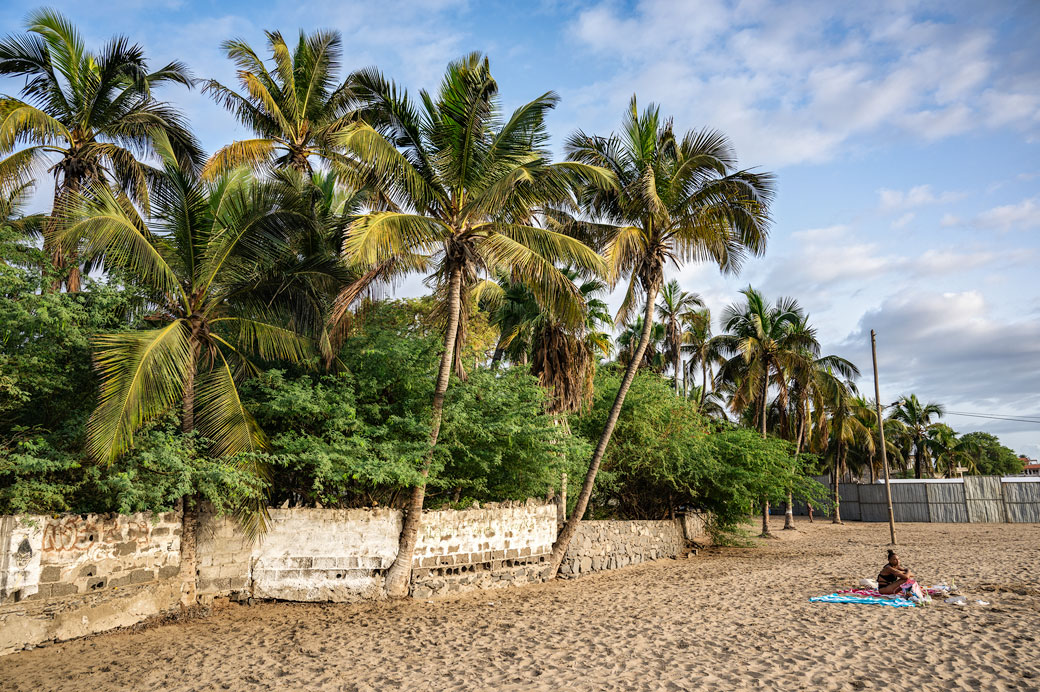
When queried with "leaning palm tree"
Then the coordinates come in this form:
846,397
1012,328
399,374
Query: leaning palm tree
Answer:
87,114
202,255
679,199
764,344
918,419
466,188
675,307
295,108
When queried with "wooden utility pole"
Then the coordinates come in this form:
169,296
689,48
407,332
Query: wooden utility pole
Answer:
881,434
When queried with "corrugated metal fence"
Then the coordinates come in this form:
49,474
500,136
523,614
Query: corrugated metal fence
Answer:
973,499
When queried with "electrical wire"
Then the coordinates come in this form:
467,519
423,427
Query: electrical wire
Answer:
990,416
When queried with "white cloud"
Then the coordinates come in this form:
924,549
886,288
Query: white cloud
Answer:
1024,216
903,220
798,83
949,347
919,196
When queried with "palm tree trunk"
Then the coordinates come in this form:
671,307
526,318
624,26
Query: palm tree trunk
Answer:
685,381
582,502
918,458
675,367
837,497
766,533
399,575
789,510
189,505
704,382
499,351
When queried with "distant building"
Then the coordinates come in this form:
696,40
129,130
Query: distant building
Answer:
1030,467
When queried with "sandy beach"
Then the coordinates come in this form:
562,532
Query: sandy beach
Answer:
728,619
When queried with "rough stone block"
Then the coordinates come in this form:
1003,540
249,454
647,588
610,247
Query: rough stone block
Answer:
50,574
169,571
139,576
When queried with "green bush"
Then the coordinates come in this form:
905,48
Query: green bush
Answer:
664,455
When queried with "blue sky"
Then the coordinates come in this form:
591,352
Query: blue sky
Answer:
905,137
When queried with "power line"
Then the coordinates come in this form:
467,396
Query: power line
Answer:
1015,419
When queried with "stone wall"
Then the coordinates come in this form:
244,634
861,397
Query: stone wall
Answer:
306,555
70,575
611,544
499,545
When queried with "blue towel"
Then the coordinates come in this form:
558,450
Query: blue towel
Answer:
849,598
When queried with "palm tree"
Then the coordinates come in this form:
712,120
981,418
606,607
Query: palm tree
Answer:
18,231
763,344
678,199
843,428
628,343
696,341
675,307
918,419
466,188
949,451
295,109
810,381
562,352
208,248
89,114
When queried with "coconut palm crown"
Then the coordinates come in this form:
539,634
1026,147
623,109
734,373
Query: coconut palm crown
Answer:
294,108
92,116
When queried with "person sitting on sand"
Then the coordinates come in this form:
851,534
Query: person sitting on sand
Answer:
893,575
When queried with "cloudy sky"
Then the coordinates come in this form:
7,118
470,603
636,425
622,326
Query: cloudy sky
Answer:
905,137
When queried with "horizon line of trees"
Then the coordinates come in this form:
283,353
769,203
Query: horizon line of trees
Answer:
244,283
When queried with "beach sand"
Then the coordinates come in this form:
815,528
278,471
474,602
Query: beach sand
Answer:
728,619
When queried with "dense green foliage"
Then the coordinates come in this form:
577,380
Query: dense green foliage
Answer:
47,391
989,457
664,454
358,436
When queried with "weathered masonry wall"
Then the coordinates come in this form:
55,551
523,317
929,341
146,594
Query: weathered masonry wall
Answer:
482,548
610,544
306,555
71,575
974,499
68,576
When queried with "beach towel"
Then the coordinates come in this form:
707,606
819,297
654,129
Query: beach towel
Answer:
847,597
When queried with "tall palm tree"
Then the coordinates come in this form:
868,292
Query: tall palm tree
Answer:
295,108
466,188
88,114
205,251
679,199
696,341
809,381
918,419
763,344
842,428
675,307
